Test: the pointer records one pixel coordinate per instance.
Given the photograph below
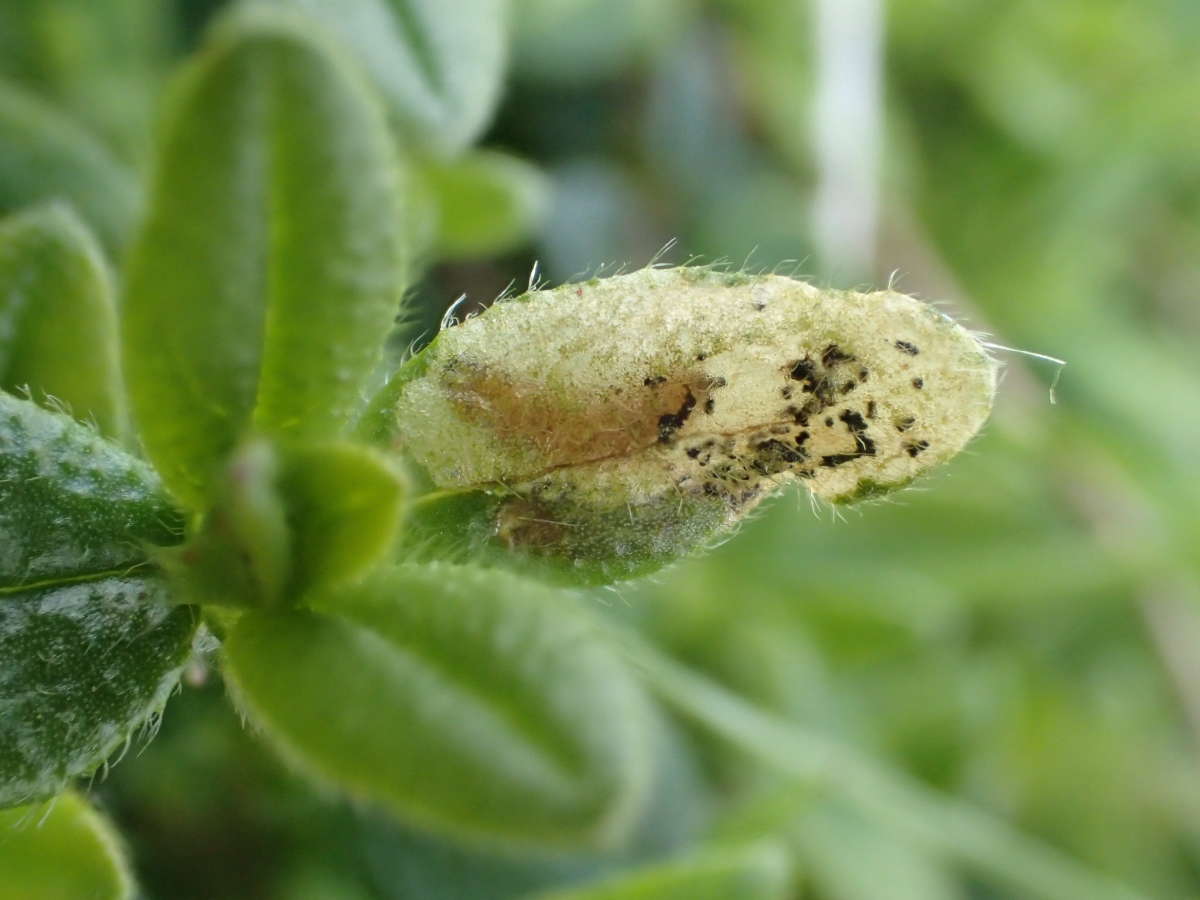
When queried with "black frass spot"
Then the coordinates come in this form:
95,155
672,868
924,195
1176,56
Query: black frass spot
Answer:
670,423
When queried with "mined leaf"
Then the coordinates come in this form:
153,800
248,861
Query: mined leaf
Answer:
44,155
464,701
284,521
616,425
72,505
438,65
266,277
82,666
58,323
759,872
63,851
488,203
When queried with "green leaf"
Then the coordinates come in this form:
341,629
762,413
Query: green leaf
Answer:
82,667
72,505
758,872
489,203
64,852
44,155
464,701
284,521
440,66
89,649
267,275
58,322
344,503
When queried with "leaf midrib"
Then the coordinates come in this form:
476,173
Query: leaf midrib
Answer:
9,590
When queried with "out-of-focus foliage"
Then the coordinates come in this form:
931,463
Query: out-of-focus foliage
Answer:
61,851
1018,632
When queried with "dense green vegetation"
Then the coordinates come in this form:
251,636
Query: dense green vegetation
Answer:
981,687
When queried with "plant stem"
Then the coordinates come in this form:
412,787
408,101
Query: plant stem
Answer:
985,843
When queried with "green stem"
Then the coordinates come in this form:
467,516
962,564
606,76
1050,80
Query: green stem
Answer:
985,843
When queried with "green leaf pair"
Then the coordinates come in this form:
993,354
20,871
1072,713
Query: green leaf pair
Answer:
89,648
268,272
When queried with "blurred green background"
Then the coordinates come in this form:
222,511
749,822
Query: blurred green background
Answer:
1021,630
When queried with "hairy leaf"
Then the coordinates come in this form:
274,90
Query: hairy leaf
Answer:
267,275
65,851
72,505
439,65
82,666
464,701
58,322
44,155
89,649
758,872
609,427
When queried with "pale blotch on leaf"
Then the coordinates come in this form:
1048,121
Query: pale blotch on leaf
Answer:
638,415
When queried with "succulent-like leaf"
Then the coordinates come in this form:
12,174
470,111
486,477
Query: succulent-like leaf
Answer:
64,852
439,65
44,155
610,427
58,323
757,872
267,275
464,701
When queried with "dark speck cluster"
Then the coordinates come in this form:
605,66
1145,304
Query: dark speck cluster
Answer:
814,389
